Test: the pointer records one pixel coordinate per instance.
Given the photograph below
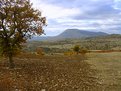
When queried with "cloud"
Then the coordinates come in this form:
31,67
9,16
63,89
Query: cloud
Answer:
92,15
53,11
117,4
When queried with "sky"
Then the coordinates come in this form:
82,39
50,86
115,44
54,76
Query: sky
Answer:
90,15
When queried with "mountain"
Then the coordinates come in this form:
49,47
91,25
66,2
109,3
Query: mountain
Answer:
72,34
76,33
40,38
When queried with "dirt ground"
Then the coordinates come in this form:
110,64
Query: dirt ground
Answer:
49,73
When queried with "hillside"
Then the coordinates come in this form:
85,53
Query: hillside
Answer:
71,34
109,42
76,33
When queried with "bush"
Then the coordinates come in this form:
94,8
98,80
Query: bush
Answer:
76,49
39,51
83,50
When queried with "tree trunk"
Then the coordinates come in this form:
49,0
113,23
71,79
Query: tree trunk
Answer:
11,63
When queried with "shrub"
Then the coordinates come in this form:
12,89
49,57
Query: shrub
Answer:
76,49
83,50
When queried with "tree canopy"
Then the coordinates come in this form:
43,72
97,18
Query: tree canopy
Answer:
18,22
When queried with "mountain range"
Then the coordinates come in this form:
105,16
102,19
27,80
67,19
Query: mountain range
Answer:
71,34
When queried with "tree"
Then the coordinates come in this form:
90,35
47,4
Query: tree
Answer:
76,49
18,22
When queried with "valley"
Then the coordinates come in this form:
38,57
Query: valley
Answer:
55,66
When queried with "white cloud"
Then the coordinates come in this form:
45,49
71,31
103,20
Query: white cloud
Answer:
117,4
52,11
94,15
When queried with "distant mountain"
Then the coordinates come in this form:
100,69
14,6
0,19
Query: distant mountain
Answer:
76,33
72,34
107,37
40,38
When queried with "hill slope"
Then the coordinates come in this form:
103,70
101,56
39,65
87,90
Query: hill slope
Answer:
76,33
71,34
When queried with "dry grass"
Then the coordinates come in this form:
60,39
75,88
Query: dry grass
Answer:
108,66
52,73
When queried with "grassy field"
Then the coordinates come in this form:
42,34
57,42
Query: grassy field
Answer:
98,72
108,66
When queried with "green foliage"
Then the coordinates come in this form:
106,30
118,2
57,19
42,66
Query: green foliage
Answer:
76,49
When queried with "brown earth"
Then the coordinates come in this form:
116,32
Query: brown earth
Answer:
48,73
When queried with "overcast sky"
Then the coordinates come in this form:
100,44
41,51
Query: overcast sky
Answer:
91,15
